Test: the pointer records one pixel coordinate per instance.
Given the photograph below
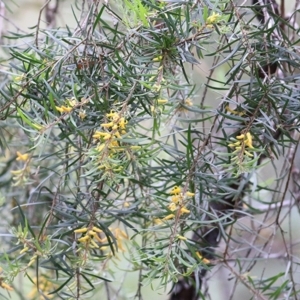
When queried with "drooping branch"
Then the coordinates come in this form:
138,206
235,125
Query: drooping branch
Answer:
207,237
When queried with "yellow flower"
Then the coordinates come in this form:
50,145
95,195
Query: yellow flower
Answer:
122,123
248,141
176,199
107,136
100,147
22,157
248,153
91,233
190,194
240,137
188,102
117,134
135,147
63,109
175,190
100,134
25,249
169,217
180,237
17,172
234,112
234,144
184,210
120,233
107,125
157,58
111,114
156,87
162,101
72,102
84,239
206,261
100,240
32,260
214,18
96,229
158,221
6,286
81,230
94,245
44,285
172,206
82,114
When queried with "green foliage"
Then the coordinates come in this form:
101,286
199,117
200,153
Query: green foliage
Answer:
110,145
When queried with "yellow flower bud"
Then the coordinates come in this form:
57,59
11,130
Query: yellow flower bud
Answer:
189,194
180,237
175,190
213,18
176,198
63,109
94,244
184,210
81,230
135,147
91,233
168,217
32,260
188,102
25,249
107,125
162,101
248,142
96,229
172,206
158,221
112,114
84,239
82,114
6,286
157,58
100,240
22,157
16,172
206,261
248,153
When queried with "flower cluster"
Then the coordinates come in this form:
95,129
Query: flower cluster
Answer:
234,111
42,284
203,259
109,141
71,104
20,176
213,19
183,107
35,247
3,284
177,204
242,158
94,238
243,144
